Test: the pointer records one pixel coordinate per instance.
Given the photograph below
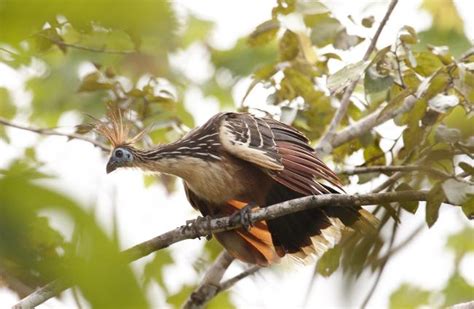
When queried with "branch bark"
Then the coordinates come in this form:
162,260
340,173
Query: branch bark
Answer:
209,286
201,227
324,145
371,121
43,131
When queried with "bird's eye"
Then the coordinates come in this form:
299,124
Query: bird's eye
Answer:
119,153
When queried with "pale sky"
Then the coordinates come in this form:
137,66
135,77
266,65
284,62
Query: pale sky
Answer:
144,213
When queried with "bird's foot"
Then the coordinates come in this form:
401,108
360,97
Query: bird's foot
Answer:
243,216
195,223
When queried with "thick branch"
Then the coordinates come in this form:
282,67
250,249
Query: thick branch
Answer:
202,227
324,145
43,131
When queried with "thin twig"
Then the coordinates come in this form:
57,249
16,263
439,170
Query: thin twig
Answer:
324,145
401,245
44,131
199,228
401,168
391,180
209,286
384,263
230,282
63,44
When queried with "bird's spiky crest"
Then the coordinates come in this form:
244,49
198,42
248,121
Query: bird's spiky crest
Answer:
116,129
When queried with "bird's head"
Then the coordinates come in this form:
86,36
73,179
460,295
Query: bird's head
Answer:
117,130
121,156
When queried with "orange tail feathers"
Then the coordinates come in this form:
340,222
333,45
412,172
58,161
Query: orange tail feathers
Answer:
252,246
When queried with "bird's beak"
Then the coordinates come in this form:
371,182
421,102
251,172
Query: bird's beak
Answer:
112,165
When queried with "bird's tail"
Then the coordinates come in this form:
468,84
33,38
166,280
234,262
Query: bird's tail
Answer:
309,233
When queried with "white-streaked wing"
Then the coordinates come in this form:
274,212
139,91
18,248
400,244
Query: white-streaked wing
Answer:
250,139
279,148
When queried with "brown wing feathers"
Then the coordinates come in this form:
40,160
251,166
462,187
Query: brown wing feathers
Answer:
303,174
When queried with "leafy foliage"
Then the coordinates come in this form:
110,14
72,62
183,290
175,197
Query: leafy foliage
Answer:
88,54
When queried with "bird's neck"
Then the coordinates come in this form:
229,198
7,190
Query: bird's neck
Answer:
167,159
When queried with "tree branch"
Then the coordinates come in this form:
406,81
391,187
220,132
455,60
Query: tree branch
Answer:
63,44
201,227
229,283
401,168
324,145
209,286
43,131
371,121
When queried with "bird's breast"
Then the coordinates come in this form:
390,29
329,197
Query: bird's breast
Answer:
221,181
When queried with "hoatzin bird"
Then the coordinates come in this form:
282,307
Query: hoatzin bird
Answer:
235,160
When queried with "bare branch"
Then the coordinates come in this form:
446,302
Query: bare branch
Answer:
403,169
229,283
104,50
382,266
209,286
201,227
371,121
466,305
44,131
324,145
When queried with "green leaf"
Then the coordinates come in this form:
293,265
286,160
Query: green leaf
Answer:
461,242
288,46
468,168
458,290
408,35
264,33
311,7
368,21
178,299
196,30
395,102
468,208
242,60
222,300
339,80
373,154
427,63
376,86
96,265
91,82
324,28
7,108
408,206
408,296
433,203
154,269
344,41
328,263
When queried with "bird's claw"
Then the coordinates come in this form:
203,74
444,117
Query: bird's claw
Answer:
243,216
193,225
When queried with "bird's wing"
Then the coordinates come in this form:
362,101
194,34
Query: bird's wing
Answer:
251,139
279,149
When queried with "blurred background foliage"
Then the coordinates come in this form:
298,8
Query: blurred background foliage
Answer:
78,56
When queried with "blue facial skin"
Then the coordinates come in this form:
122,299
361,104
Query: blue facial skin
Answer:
120,157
